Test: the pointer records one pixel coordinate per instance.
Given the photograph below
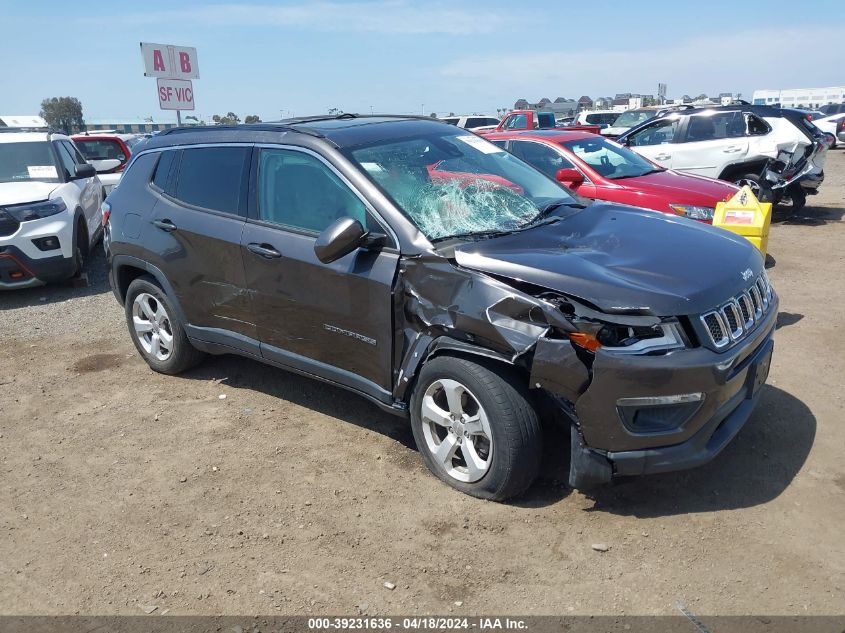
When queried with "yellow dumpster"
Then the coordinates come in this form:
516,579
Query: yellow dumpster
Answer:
745,215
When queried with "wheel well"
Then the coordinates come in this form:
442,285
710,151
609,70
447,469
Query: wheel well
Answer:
124,276
732,171
82,230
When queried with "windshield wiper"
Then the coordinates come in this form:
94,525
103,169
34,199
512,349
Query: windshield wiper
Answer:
545,210
472,234
645,173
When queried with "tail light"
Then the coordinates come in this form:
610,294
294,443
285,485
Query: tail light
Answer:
106,209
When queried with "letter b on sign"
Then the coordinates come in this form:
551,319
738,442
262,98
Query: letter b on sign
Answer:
185,62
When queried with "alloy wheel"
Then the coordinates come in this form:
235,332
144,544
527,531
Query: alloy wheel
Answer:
152,326
456,430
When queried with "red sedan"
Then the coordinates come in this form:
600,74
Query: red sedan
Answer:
597,168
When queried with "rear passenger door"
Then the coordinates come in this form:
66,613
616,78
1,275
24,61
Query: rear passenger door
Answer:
710,142
332,320
194,236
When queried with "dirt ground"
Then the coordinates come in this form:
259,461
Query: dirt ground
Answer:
124,490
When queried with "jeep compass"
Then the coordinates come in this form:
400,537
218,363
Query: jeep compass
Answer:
430,271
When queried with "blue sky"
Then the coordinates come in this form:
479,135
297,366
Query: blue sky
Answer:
301,57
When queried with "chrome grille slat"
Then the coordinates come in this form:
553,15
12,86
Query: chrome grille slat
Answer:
739,315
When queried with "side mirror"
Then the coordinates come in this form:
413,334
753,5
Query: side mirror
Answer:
340,238
569,177
106,165
84,171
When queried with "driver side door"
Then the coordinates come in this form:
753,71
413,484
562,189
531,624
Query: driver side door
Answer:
332,320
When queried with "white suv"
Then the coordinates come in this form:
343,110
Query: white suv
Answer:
734,143
50,213
472,122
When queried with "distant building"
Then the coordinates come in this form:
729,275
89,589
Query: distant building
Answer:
585,103
21,120
800,97
131,125
521,104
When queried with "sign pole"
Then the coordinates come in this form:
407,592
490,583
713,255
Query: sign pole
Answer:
179,118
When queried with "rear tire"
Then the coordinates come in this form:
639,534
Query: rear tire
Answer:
476,427
156,330
761,189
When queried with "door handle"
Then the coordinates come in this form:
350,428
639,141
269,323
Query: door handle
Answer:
663,157
165,225
265,250
732,149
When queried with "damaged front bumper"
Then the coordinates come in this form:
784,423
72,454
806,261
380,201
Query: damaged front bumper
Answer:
644,414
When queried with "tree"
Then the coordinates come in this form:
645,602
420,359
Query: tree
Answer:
252,118
230,119
63,113
335,111
433,115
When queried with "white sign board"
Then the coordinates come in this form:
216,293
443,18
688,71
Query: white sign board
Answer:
175,94
172,62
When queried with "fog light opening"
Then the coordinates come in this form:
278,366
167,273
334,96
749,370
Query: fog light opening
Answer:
47,243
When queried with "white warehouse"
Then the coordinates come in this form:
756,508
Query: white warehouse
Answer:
800,97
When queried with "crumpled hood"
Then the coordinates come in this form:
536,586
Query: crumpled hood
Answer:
624,259
21,192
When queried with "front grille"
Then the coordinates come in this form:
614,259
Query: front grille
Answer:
739,315
8,224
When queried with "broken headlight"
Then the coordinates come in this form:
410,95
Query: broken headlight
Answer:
627,339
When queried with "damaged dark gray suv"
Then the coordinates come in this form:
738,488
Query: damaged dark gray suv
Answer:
450,283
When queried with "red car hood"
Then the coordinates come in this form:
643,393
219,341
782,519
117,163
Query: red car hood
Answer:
681,188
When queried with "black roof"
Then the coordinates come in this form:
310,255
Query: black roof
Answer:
343,130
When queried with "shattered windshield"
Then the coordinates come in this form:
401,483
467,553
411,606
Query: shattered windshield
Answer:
452,183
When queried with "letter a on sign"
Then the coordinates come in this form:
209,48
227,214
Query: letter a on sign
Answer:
170,62
158,60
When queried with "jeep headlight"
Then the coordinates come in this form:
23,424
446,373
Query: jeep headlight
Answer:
627,339
694,212
36,210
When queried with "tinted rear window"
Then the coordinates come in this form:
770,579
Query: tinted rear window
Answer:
165,162
101,149
212,178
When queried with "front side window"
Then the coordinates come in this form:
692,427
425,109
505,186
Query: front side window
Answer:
610,159
453,184
658,133
298,190
212,178
30,161
542,157
66,159
78,158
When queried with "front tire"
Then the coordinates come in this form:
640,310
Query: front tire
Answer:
155,328
476,428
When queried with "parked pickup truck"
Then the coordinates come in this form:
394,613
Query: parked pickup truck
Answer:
533,120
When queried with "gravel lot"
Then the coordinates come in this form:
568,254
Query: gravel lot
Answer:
124,489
